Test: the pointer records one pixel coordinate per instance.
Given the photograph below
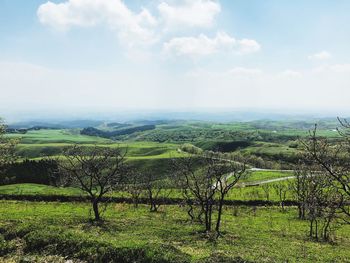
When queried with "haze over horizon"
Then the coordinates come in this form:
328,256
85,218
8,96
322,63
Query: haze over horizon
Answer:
66,56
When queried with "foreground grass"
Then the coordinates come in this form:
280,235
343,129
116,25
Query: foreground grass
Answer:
257,235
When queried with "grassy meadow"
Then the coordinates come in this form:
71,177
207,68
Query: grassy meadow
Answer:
249,235
32,231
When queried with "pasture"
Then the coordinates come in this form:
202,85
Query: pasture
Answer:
249,235
32,231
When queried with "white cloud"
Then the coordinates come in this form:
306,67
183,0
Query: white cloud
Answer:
247,72
336,68
203,45
323,55
340,68
291,74
143,29
132,28
189,13
234,72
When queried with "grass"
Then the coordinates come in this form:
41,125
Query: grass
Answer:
56,136
37,144
270,149
257,235
266,175
42,230
134,150
161,167
239,193
38,189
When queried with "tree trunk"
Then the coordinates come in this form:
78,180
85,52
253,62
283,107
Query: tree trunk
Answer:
96,211
311,228
300,211
217,228
153,207
190,212
207,220
316,229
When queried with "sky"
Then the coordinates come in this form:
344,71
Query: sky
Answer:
65,56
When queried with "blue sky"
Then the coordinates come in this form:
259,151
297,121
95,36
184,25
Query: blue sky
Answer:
166,54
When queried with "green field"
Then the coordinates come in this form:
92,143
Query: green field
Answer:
56,136
57,231
38,144
255,235
238,193
256,176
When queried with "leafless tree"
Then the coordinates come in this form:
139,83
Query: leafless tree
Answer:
96,171
300,188
320,195
281,189
156,190
206,180
182,182
333,157
266,189
134,186
322,203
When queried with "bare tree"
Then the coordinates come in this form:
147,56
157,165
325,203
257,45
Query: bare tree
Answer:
300,188
206,180
181,166
281,190
227,176
156,190
96,171
266,189
319,195
322,203
333,157
135,186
